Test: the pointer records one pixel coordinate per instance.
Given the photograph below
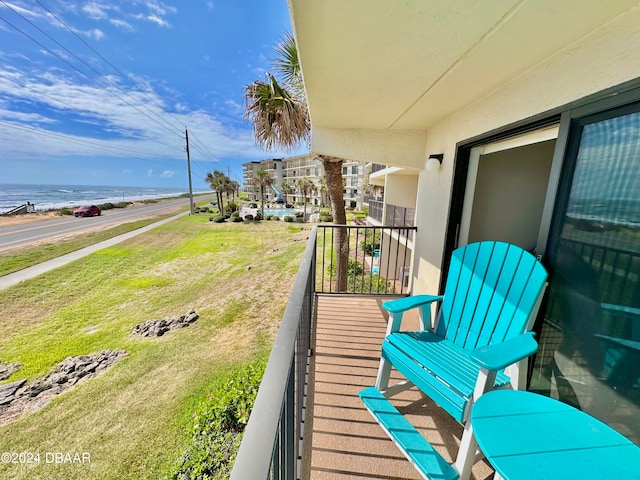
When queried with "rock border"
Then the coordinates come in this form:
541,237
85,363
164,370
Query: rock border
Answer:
19,397
157,328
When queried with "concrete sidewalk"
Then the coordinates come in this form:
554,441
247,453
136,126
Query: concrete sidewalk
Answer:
30,272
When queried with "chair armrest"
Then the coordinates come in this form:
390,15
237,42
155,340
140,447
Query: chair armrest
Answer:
501,355
407,303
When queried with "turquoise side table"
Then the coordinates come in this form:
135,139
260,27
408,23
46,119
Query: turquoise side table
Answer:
526,436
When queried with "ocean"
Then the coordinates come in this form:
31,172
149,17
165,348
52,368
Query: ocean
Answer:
51,197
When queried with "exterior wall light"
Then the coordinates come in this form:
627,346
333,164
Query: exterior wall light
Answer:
434,161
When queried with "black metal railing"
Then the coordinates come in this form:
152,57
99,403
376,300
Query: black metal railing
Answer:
273,440
378,259
376,208
400,217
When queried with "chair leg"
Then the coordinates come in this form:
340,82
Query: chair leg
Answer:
384,372
466,453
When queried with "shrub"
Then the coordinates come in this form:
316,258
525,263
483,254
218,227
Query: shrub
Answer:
269,217
218,425
66,211
248,217
354,267
121,204
299,214
236,218
371,241
205,210
219,219
258,216
288,218
231,207
105,206
326,217
212,218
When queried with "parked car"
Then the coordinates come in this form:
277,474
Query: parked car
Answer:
87,211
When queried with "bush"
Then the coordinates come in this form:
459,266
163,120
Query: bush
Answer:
248,217
326,217
66,211
106,206
354,267
231,207
205,210
236,218
269,217
212,218
258,216
371,241
299,214
121,204
218,425
288,218
219,219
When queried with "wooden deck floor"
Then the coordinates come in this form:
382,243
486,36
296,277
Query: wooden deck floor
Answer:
346,441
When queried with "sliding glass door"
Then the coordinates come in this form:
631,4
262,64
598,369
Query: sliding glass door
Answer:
589,336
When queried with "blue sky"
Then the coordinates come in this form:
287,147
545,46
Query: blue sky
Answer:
99,92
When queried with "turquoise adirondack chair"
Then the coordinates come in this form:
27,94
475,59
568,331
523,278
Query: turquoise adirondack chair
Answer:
492,294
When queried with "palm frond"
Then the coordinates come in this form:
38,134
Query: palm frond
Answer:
279,117
287,64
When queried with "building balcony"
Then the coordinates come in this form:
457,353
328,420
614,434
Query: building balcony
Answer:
308,422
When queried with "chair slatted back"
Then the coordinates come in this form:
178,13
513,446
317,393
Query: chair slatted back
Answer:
491,290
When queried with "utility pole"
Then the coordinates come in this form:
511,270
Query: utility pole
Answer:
186,135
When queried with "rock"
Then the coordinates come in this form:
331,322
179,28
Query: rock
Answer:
7,392
7,369
157,328
14,400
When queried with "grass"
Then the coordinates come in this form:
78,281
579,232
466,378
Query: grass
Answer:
27,257
132,419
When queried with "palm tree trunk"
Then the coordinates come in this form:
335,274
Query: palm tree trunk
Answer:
333,169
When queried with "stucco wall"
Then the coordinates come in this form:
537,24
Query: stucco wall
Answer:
605,58
401,190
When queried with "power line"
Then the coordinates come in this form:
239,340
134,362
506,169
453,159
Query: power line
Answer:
122,75
76,68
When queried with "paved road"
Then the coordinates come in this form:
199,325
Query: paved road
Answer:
24,234
11,279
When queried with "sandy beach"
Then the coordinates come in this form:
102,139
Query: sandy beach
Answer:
8,221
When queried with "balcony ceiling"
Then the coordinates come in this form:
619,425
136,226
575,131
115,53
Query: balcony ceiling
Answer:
390,64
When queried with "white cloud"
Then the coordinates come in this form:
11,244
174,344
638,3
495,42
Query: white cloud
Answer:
150,173
157,20
96,34
167,174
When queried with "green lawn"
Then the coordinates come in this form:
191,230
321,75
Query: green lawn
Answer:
27,257
133,419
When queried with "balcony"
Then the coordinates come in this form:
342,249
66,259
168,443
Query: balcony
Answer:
308,422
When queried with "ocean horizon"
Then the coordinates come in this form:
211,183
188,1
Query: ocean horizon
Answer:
54,197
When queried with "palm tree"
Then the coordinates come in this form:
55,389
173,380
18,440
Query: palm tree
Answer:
306,186
218,181
322,188
280,118
287,190
263,180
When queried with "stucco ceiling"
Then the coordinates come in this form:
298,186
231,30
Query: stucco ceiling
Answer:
404,64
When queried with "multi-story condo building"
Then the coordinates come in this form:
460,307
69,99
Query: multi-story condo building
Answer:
289,170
